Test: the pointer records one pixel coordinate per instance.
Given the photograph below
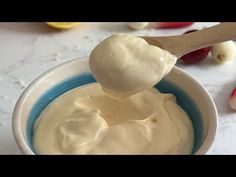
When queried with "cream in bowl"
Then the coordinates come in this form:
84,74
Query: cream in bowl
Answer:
87,121
190,96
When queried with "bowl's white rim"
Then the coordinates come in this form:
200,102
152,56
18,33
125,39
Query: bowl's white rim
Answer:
24,147
213,123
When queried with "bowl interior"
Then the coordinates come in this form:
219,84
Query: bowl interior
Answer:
189,95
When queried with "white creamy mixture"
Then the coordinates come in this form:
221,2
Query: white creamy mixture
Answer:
125,65
141,121
87,121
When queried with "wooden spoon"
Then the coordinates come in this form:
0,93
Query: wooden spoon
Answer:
182,44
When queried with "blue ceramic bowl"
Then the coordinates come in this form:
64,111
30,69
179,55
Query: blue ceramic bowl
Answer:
190,95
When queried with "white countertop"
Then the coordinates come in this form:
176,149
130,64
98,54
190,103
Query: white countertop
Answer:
29,49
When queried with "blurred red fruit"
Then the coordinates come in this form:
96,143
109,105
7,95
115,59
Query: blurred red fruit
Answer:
195,56
172,24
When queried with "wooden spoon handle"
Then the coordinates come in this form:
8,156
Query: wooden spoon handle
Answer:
186,43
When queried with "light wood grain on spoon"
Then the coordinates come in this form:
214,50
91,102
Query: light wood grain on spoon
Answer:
182,44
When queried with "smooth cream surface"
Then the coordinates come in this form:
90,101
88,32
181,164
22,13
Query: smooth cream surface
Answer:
124,65
87,121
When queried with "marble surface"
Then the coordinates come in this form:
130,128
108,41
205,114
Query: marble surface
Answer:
29,49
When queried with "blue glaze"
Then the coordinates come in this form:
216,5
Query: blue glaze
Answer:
164,86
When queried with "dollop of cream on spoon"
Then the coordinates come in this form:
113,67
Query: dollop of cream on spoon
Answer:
125,65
